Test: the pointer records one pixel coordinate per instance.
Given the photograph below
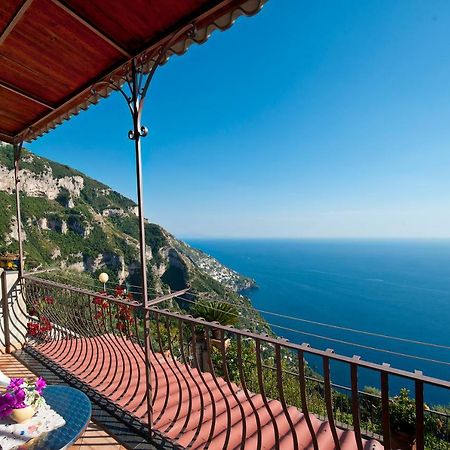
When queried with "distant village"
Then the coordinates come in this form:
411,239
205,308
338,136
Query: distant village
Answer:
226,276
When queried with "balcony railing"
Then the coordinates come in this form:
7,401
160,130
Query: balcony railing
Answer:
213,386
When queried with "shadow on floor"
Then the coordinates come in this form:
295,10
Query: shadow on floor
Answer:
122,430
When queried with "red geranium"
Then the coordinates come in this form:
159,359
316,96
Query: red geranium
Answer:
100,301
37,328
119,291
33,328
45,324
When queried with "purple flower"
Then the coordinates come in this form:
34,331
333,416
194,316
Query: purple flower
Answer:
7,404
17,392
40,385
20,399
15,384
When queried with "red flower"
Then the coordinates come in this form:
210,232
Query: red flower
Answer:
124,313
32,312
33,328
98,315
119,290
100,301
45,324
48,299
120,326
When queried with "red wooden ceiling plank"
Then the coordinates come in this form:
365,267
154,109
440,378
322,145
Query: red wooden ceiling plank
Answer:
91,27
12,23
137,23
50,54
16,112
27,96
7,138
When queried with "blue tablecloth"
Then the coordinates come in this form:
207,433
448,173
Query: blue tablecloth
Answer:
74,406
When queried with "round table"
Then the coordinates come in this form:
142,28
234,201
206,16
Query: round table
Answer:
74,406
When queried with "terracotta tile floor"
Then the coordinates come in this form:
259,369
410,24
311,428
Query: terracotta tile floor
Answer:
94,437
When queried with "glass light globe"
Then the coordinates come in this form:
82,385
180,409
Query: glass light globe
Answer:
103,277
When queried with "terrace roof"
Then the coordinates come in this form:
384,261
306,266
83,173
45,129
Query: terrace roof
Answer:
59,57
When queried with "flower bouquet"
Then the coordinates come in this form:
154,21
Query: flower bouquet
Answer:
21,398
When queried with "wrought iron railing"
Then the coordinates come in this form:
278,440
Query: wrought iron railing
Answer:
213,383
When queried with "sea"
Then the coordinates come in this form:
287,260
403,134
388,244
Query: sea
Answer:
398,288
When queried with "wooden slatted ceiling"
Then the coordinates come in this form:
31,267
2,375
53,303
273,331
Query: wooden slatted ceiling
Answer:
53,51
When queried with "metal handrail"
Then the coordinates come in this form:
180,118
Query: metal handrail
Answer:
306,348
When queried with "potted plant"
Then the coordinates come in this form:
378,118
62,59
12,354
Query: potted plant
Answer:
403,421
21,398
216,311
212,311
10,261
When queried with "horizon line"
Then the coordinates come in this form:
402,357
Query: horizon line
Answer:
316,238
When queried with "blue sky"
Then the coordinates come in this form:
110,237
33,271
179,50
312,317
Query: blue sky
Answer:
311,119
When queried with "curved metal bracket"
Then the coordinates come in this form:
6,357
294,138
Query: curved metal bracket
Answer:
134,84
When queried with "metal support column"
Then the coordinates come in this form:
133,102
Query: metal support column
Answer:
5,311
136,134
17,154
138,81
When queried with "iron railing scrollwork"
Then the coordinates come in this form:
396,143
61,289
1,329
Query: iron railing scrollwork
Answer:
214,383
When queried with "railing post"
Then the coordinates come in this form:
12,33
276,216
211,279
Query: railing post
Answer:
385,416
355,403
5,310
329,398
419,414
303,396
281,397
148,372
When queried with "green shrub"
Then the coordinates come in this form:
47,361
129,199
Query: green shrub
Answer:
403,413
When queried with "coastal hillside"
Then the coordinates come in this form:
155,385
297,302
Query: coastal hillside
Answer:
76,223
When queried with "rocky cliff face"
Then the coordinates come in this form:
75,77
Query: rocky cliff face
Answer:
72,221
41,184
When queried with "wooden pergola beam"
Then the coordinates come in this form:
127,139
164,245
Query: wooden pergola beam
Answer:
12,23
6,137
26,95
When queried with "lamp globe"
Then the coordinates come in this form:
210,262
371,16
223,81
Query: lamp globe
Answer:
103,278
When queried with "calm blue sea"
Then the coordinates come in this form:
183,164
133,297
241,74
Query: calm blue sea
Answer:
400,288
